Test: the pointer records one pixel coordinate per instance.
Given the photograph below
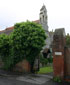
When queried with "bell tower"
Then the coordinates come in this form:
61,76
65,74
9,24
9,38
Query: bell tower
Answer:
43,18
44,22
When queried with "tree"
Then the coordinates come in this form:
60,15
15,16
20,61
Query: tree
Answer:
5,50
68,39
27,41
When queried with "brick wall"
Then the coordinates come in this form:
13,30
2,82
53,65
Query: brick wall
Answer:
58,66
22,66
58,52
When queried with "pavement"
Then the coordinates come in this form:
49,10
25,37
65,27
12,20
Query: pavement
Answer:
9,78
35,78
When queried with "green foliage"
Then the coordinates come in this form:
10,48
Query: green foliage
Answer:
44,70
43,60
5,50
57,79
25,42
4,45
50,60
68,40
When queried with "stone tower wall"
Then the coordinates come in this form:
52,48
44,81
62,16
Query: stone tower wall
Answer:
44,23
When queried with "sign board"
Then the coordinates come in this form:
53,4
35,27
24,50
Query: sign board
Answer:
58,53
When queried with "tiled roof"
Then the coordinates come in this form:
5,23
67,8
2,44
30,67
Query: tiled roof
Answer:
37,21
8,30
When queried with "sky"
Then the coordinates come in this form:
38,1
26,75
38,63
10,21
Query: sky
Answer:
15,11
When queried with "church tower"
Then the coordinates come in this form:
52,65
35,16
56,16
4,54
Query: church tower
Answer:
44,22
43,18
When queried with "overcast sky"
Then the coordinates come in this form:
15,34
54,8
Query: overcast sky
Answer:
13,11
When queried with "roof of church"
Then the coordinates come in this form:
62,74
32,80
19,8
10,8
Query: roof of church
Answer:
37,21
8,30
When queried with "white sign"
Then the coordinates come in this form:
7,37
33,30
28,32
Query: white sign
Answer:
58,53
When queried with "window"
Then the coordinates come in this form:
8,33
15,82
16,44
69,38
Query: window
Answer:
43,18
40,19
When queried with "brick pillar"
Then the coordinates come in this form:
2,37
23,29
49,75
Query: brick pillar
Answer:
58,52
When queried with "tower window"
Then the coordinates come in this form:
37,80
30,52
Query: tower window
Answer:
40,19
41,13
43,18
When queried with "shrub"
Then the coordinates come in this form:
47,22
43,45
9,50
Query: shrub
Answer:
57,79
25,42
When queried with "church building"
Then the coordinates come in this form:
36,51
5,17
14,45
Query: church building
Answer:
43,20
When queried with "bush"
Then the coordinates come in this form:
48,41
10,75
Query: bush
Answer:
43,60
25,42
5,50
50,60
57,79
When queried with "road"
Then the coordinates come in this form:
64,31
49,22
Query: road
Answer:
28,80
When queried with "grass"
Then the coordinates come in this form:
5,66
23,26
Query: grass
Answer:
44,70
